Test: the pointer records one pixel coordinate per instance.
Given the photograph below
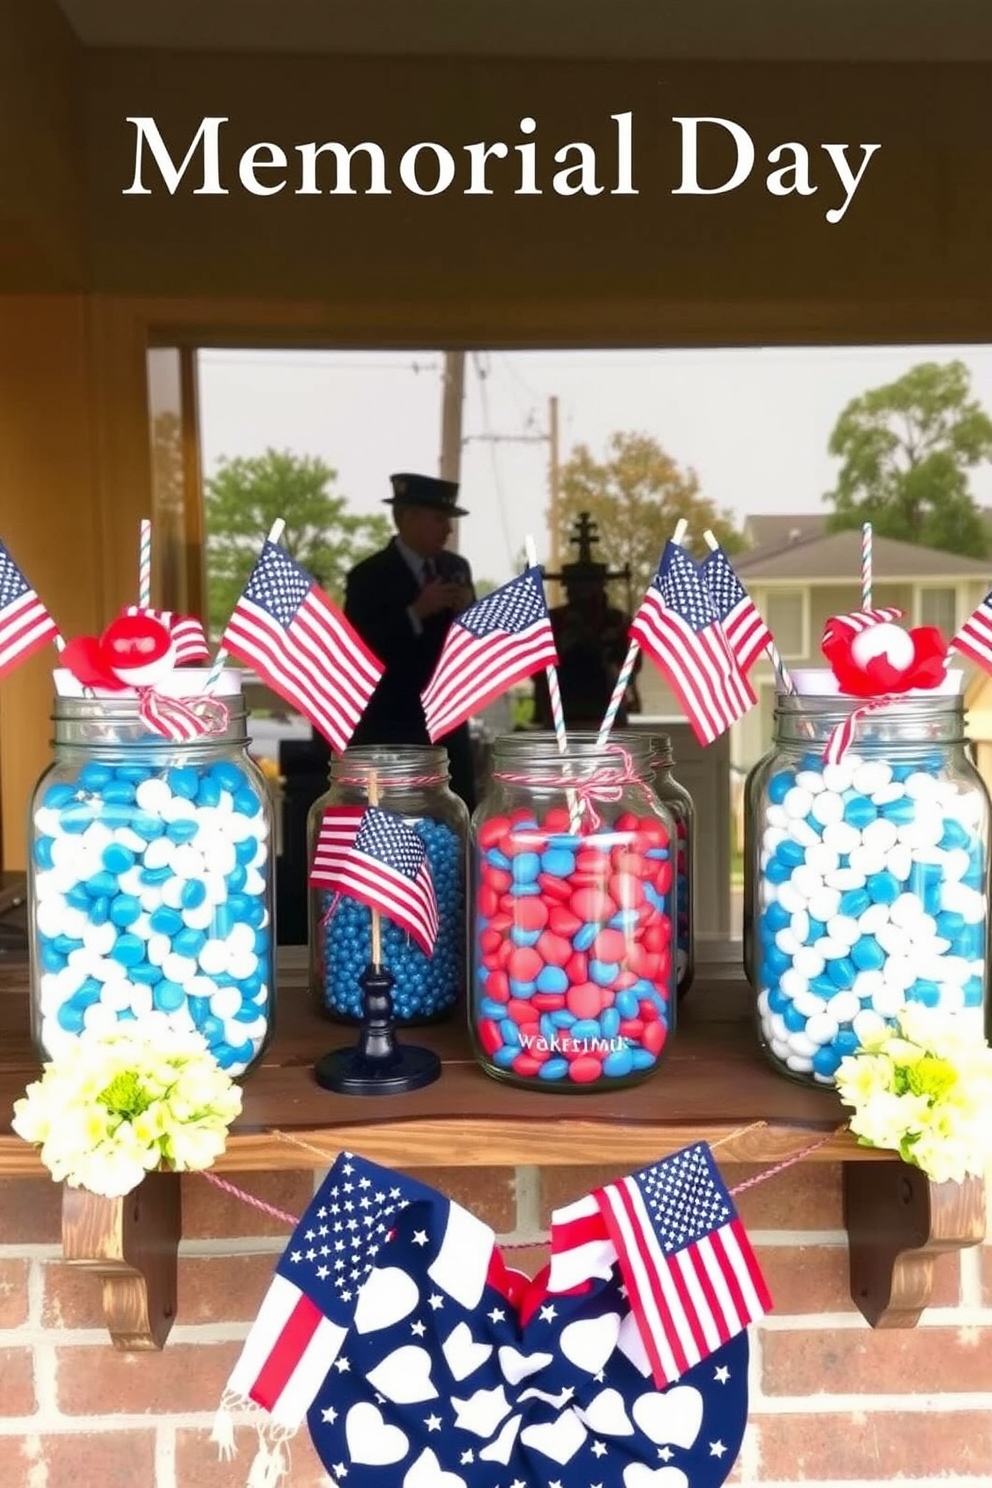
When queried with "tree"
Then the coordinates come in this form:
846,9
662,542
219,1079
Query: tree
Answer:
244,497
907,449
636,496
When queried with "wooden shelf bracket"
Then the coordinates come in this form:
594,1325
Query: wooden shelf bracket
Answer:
898,1221
132,1243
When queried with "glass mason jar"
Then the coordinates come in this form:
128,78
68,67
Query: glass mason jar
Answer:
868,879
150,885
573,977
678,802
412,782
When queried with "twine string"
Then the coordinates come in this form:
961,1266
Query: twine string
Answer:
329,1157
606,783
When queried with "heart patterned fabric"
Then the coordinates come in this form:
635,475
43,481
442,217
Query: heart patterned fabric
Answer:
423,1360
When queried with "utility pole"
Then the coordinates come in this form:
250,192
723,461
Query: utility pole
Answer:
452,402
554,545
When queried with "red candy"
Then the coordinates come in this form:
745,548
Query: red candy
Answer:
592,906
523,964
585,1001
555,950
532,913
609,946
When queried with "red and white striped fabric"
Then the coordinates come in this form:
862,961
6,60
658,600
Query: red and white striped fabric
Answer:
186,631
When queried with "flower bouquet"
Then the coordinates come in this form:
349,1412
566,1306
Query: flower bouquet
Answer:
114,1106
923,1087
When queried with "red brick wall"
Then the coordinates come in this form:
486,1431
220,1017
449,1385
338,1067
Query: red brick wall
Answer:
832,1402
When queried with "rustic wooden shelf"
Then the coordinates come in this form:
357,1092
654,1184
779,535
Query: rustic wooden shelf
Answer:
713,1085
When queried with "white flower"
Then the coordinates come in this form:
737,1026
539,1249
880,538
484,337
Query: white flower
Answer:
113,1106
922,1086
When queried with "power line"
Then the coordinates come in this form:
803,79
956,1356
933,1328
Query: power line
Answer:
481,375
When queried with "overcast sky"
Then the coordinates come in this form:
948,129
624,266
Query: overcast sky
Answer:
753,424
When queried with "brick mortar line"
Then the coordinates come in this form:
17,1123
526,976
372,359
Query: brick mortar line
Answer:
35,1336
833,1405
971,1277
960,1315
35,1251
165,1456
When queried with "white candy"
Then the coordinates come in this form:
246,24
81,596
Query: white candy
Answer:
922,929
843,1007
159,853
842,837
225,1002
887,1002
844,929
117,994
150,898
255,881
787,942
921,786
830,950
888,793
99,1018
804,834
899,861
951,998
808,1004
867,860
810,780
881,835
242,964
822,859
797,802
790,898
844,879
141,1001
827,808
213,957
179,968
905,909
838,777
892,938
821,1028
48,821
159,946
872,776
804,878
241,938
172,892
803,1045
824,904
874,918
152,796
132,840
956,864
792,982
808,962
867,1024
200,916
187,862
178,808
772,836
899,972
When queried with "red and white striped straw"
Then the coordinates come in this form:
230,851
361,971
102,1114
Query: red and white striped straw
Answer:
145,565
866,565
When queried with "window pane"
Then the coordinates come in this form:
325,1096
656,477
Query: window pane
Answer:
937,607
784,614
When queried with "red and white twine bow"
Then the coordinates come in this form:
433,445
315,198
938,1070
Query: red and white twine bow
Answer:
181,719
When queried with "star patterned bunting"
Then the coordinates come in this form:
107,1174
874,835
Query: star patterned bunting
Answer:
454,1371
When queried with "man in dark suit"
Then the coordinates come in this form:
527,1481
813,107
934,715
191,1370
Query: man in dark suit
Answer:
401,601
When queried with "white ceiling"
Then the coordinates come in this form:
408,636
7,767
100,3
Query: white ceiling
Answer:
877,30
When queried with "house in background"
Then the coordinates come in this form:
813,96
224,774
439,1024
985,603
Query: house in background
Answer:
798,575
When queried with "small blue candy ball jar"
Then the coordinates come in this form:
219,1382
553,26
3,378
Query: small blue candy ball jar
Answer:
150,880
411,781
866,880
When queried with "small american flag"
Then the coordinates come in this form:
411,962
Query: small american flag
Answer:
974,638
308,1309
25,623
298,641
692,1279
498,641
186,631
376,857
677,625
746,632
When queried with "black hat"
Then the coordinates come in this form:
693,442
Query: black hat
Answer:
425,490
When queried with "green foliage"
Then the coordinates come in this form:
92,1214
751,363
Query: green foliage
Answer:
636,495
906,450
244,497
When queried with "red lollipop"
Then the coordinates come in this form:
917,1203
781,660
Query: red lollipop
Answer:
138,649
